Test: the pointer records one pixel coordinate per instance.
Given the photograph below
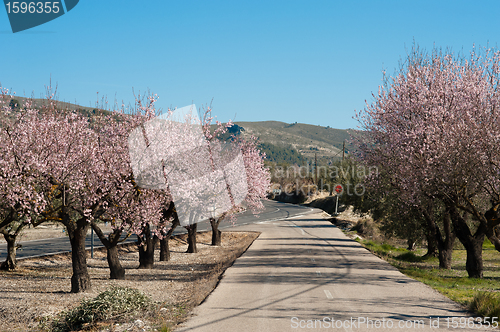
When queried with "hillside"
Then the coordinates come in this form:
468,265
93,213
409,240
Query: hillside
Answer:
16,102
306,139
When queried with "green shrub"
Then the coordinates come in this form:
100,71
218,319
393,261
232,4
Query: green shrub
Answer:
113,303
409,257
366,228
486,304
387,247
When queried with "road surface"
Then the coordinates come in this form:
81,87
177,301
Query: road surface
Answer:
305,274
36,248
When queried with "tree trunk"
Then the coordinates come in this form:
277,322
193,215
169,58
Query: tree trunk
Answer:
412,244
473,243
116,270
432,247
10,234
164,250
80,280
164,244
444,256
10,262
444,245
192,238
216,233
474,263
146,256
492,230
147,249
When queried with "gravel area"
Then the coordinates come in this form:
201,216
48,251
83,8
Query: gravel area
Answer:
39,289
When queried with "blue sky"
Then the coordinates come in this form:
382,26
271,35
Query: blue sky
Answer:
307,61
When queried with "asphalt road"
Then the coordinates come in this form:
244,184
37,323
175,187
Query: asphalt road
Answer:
35,248
305,274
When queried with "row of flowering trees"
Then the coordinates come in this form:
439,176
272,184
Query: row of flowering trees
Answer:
57,165
434,132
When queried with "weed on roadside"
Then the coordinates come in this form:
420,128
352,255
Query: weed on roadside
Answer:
486,304
116,303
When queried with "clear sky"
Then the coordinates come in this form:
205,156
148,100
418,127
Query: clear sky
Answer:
307,61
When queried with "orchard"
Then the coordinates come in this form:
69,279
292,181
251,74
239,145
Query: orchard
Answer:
61,166
433,131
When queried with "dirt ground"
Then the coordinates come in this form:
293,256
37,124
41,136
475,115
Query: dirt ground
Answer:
39,289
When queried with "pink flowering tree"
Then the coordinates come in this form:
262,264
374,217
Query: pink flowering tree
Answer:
434,127
81,175
243,173
258,176
61,150
21,194
207,178
226,157
124,205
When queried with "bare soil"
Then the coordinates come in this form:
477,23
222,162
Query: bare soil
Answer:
39,289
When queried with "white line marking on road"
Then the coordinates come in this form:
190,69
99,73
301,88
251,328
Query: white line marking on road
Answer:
328,294
298,228
301,215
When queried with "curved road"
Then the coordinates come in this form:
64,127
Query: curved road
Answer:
304,274
273,211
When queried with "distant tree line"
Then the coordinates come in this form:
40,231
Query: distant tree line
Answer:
282,154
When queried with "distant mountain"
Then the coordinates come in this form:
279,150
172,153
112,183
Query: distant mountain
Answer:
16,103
296,138
40,102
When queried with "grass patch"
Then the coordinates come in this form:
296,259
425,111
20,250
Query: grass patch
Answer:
486,304
410,256
381,249
113,304
478,295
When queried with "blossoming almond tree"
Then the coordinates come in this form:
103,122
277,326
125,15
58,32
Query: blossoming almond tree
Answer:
63,150
435,126
83,175
207,178
124,205
243,173
248,181
21,199
231,174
